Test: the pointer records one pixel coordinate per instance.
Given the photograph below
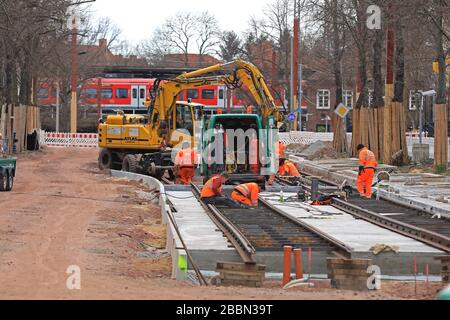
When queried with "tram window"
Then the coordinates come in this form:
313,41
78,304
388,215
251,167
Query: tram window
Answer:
192,94
42,93
53,93
107,93
121,93
89,93
135,93
181,96
142,94
208,94
221,94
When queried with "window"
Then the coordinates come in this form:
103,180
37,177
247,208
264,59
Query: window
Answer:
221,95
107,93
135,93
181,96
413,100
208,94
42,93
323,99
348,98
192,94
53,92
184,118
89,93
142,93
121,93
371,94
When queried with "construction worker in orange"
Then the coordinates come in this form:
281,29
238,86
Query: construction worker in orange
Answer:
185,163
280,149
246,194
212,191
367,167
289,169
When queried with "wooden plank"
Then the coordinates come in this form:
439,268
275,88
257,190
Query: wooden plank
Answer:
253,284
356,134
241,277
240,266
380,120
349,273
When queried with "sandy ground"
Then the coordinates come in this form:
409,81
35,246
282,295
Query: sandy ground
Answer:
64,212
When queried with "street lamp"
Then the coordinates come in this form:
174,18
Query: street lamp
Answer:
326,119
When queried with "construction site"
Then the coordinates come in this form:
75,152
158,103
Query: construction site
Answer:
255,169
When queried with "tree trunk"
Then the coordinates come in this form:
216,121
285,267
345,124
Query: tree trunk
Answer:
339,130
441,109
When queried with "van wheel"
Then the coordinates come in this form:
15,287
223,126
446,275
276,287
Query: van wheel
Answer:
105,159
130,164
3,182
10,182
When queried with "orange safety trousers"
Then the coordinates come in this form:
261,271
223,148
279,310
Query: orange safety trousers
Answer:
364,182
186,174
237,196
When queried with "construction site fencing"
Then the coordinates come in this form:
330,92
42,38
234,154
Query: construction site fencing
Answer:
306,138
73,140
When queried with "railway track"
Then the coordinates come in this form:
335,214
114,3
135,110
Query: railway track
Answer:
267,229
409,222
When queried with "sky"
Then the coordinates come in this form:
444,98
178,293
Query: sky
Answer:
138,18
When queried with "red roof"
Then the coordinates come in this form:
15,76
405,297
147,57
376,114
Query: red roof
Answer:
191,60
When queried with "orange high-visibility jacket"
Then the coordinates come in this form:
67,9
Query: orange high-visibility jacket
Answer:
367,158
250,191
289,169
212,188
280,149
185,158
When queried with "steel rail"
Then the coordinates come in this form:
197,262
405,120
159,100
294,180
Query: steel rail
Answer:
242,245
431,238
343,249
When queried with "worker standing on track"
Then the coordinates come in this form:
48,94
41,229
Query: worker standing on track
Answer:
212,191
246,194
185,163
289,169
280,149
367,166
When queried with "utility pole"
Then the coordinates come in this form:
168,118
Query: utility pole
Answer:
57,105
295,63
74,77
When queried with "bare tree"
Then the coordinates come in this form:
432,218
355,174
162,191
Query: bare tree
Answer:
207,29
180,32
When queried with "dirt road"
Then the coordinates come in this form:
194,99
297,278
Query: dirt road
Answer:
64,212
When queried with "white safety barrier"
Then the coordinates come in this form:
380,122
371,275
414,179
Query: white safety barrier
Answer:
307,138
75,140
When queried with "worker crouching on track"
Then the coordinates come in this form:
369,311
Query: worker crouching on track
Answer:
280,149
289,169
212,192
246,194
367,167
184,164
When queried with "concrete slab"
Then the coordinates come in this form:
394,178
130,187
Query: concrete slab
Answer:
204,241
361,236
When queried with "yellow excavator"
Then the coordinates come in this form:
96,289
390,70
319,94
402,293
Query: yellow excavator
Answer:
143,144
